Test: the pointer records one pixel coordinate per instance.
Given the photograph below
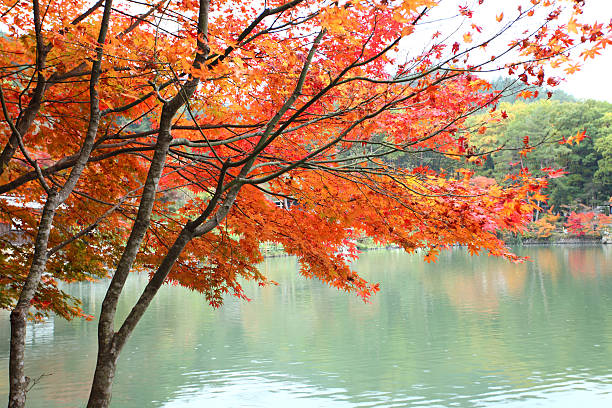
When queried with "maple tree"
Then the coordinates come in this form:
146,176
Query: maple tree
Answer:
155,135
587,223
546,225
571,140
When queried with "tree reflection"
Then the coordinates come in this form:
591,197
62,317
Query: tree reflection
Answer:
457,331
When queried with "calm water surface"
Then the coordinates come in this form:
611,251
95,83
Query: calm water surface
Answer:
464,332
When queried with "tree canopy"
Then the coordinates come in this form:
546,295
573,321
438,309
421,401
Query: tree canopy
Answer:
584,165
156,135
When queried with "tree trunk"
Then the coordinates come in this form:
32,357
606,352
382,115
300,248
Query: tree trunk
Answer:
101,389
108,352
18,381
109,342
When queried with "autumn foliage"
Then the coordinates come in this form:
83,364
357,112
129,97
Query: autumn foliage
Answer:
587,223
547,224
156,136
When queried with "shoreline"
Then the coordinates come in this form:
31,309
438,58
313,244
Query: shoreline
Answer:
277,252
569,241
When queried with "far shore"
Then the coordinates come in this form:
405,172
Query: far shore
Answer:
570,241
277,251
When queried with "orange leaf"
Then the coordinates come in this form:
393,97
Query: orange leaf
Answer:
572,26
579,136
572,68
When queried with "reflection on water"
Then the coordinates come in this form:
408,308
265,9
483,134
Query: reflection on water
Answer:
465,332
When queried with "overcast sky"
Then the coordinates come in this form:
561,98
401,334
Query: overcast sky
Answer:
594,80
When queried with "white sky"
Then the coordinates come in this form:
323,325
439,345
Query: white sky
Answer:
594,80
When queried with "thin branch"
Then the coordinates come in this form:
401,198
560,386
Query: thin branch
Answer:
93,225
17,134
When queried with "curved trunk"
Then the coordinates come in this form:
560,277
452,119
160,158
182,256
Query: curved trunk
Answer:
109,342
18,381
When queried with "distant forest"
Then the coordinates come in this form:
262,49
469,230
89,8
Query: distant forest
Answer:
545,121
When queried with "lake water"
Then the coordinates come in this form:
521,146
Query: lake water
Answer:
464,332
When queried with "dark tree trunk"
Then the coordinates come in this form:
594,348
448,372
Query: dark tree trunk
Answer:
143,217
101,389
18,381
110,344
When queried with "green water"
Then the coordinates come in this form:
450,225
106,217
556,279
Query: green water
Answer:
465,332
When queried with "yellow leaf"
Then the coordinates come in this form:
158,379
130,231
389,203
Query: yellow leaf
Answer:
572,68
467,37
108,104
572,26
500,17
525,94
